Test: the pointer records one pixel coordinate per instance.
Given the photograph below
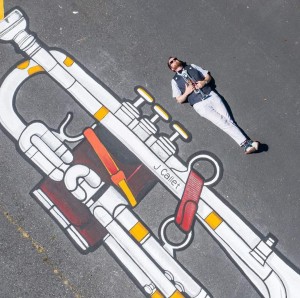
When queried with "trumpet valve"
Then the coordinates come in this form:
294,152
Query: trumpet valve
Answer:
143,96
163,148
178,131
128,113
159,113
144,129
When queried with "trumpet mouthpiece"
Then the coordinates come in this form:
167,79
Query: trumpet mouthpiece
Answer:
11,25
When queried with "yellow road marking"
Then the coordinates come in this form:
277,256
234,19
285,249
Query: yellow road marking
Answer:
42,251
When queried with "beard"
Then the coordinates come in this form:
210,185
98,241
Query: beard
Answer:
177,64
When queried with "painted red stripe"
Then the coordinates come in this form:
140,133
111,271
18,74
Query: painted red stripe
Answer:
188,205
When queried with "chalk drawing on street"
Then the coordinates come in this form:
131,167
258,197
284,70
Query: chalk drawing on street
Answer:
92,189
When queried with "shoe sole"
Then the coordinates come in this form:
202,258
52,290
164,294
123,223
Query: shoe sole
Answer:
255,144
251,150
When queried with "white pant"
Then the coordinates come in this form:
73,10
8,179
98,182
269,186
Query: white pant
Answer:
214,110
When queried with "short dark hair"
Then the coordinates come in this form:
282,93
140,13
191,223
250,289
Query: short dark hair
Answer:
169,60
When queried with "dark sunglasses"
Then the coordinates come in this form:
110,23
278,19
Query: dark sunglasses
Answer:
171,62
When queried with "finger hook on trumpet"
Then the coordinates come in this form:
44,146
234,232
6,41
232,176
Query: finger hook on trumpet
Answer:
169,246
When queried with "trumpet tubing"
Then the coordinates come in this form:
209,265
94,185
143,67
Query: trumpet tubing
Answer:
139,275
144,262
161,257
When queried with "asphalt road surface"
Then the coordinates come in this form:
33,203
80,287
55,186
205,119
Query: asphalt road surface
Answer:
252,51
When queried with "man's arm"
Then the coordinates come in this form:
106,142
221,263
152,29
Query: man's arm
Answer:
205,73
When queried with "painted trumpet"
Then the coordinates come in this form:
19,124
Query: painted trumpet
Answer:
155,271
255,257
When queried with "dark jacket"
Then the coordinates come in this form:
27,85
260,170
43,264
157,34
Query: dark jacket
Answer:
197,76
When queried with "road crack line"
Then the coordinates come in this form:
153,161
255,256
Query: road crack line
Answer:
42,252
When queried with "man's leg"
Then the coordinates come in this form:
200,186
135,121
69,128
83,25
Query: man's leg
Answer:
219,106
208,110
217,103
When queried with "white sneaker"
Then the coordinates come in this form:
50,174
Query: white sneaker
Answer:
250,146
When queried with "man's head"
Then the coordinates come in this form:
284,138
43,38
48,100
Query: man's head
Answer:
174,64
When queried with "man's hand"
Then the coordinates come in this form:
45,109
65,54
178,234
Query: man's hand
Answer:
200,84
189,88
